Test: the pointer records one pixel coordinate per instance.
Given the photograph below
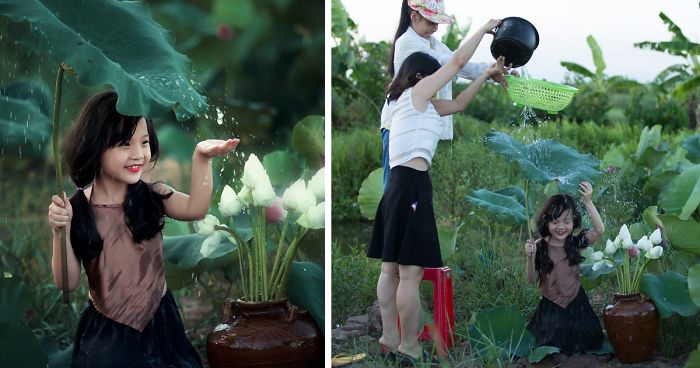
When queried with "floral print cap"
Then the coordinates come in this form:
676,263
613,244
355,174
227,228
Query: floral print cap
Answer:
432,10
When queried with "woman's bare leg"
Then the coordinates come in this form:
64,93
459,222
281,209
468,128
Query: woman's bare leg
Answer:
408,306
386,294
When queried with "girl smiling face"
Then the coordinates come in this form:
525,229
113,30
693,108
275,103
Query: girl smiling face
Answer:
561,227
125,162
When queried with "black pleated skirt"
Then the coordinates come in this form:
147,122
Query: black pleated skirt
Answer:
404,229
573,329
102,342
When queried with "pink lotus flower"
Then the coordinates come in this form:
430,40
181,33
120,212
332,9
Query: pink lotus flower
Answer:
223,31
275,214
612,169
634,251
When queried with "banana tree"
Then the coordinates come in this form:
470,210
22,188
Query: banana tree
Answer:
135,57
606,93
545,162
683,78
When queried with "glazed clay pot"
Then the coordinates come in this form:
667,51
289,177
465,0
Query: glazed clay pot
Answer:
264,334
632,323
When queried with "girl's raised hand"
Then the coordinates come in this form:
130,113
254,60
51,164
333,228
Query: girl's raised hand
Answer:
216,147
530,247
60,212
586,191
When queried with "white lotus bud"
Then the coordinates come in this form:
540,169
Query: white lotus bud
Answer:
597,256
610,247
253,172
317,184
229,204
210,244
655,252
644,243
206,226
656,237
298,198
263,194
314,217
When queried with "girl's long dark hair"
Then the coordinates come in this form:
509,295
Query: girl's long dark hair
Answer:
404,23
416,63
551,210
98,127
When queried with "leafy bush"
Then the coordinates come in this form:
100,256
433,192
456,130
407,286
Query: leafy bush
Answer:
353,282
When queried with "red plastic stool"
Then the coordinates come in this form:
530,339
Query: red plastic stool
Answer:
443,309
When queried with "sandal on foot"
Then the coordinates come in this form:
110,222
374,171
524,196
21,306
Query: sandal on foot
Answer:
406,360
386,353
345,359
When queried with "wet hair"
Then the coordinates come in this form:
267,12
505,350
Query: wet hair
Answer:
416,63
404,23
554,207
100,126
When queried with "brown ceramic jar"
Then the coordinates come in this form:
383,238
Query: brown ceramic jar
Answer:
632,324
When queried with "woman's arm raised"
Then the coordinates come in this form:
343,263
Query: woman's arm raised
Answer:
428,86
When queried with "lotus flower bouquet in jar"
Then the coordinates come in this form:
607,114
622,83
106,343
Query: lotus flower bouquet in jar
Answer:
629,259
300,209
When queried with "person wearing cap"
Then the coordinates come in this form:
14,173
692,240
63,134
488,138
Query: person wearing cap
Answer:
418,21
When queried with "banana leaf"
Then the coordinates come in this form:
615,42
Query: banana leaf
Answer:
547,160
133,54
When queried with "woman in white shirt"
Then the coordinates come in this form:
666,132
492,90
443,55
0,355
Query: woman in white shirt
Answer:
418,21
405,234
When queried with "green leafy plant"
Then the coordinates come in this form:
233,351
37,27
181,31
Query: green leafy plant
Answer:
541,162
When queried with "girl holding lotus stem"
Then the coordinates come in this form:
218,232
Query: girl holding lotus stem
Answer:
405,235
564,317
113,227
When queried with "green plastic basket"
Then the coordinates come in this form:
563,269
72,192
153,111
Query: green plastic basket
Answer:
539,94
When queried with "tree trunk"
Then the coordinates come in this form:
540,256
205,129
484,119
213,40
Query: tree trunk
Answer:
693,111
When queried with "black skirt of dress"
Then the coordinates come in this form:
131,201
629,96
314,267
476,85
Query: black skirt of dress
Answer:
573,329
102,342
404,229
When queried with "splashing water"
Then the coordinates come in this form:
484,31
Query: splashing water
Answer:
219,116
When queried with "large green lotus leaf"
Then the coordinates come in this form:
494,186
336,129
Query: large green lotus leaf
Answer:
541,352
507,208
692,145
503,327
20,348
308,139
24,117
547,160
110,42
693,359
305,289
447,235
682,234
14,300
370,193
282,167
670,294
682,195
694,283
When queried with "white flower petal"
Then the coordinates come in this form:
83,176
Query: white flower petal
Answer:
597,256
655,252
317,184
206,226
263,194
230,205
656,237
210,244
610,247
624,233
253,172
